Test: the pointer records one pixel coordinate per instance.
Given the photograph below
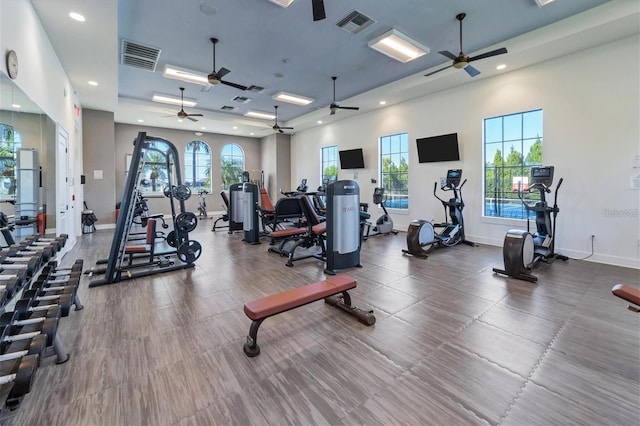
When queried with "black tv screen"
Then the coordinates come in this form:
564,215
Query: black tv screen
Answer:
438,148
351,159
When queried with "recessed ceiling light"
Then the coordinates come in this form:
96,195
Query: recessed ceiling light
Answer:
501,67
235,127
140,121
260,114
398,46
16,106
319,121
292,99
77,17
198,133
383,102
180,120
543,2
282,3
202,128
252,133
93,83
166,99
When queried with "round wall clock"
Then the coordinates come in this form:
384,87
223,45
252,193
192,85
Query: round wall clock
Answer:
12,64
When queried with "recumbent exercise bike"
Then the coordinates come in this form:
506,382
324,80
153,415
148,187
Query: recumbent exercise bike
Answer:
422,237
384,224
521,250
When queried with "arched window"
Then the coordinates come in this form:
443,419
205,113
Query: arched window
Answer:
231,164
10,142
197,165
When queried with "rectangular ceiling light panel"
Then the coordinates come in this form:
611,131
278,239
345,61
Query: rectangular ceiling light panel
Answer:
282,3
398,46
543,2
183,74
172,100
292,99
260,114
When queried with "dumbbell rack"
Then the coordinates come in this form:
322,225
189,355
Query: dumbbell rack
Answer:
117,269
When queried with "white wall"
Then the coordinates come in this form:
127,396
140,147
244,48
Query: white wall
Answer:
590,103
42,78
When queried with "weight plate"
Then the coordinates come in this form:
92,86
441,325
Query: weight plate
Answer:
167,191
171,239
189,251
186,222
182,192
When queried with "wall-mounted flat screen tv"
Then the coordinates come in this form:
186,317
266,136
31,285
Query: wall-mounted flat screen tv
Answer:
351,159
438,148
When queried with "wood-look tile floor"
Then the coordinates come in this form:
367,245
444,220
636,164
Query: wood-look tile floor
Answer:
453,344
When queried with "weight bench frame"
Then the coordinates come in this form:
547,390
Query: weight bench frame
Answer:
334,291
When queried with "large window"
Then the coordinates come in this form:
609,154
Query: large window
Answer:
9,143
197,165
394,170
512,144
329,164
231,164
154,176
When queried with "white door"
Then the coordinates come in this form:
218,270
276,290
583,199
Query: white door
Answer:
62,184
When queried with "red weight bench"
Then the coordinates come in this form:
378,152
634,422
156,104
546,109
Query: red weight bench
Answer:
329,290
147,247
628,293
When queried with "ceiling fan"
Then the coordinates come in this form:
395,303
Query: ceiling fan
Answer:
216,77
276,127
335,105
181,113
462,60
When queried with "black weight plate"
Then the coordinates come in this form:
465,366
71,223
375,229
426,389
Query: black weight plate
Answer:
182,192
171,239
167,190
189,251
186,222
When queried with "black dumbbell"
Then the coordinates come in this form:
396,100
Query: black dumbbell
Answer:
24,311
35,346
9,283
12,330
29,264
39,301
57,244
22,378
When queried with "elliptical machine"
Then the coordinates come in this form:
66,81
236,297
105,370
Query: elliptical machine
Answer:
422,237
384,224
522,251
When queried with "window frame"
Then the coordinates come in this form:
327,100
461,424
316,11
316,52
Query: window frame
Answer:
226,185
499,192
195,154
394,196
326,163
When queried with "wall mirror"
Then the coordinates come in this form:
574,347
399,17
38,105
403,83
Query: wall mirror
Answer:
25,189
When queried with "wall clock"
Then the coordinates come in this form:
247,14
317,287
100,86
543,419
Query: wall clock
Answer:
12,64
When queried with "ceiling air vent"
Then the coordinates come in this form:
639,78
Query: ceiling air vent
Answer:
139,55
255,89
355,22
228,108
241,99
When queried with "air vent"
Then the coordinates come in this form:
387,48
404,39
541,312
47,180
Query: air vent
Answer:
255,89
241,99
228,108
139,55
355,22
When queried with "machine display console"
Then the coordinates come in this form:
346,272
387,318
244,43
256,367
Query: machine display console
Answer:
453,177
542,175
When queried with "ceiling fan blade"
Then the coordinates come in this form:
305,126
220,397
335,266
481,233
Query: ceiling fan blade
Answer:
237,86
222,72
471,71
333,112
352,108
448,54
286,128
192,119
280,130
195,115
437,71
496,52
318,10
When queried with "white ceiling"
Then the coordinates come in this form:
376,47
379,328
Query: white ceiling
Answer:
284,49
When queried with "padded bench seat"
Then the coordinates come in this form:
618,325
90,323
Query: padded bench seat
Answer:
628,293
261,309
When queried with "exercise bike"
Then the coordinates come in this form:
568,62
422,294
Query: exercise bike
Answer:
522,251
422,235
384,224
202,204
